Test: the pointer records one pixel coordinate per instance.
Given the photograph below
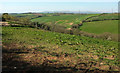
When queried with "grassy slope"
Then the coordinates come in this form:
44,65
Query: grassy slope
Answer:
101,26
65,49
30,16
64,20
105,16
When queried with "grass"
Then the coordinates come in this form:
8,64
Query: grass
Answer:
104,16
65,49
64,20
99,27
30,16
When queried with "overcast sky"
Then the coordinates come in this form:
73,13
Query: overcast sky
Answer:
20,6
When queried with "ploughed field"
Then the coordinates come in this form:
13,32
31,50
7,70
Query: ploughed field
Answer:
35,49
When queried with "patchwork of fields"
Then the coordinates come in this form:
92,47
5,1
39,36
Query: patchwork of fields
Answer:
63,20
26,48
103,24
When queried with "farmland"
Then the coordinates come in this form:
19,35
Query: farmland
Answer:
63,20
99,27
102,17
92,21
103,22
59,49
42,43
30,16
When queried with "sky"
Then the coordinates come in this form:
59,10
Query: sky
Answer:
21,6
59,0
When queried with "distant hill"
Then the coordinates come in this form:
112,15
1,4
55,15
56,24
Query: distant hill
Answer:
82,12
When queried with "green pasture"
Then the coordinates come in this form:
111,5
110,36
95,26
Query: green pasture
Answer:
104,17
64,20
99,27
83,48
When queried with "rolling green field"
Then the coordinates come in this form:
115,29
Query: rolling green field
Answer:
99,27
64,20
57,50
67,20
37,48
30,16
104,17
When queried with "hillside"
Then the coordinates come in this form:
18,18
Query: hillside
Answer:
51,42
60,52
66,20
100,27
